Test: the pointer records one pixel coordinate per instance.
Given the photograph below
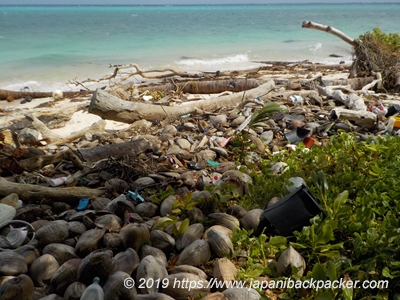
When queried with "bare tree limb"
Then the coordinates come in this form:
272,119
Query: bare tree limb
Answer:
331,30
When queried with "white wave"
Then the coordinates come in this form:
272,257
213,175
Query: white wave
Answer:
314,48
214,61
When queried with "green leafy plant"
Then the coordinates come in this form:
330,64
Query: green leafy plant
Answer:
358,237
259,116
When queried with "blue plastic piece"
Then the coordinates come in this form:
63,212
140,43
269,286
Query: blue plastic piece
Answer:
135,196
83,204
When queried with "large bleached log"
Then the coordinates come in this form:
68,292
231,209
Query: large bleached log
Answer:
32,192
206,86
365,119
6,94
130,148
113,108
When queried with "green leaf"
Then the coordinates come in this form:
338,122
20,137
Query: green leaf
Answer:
263,114
164,221
348,294
331,254
277,241
331,271
184,225
326,234
386,273
324,295
340,201
318,272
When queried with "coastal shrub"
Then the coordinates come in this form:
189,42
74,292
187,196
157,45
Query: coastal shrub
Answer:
358,238
379,52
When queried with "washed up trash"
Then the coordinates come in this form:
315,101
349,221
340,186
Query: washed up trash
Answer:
17,236
147,98
58,181
185,116
93,291
296,99
194,165
213,163
378,109
392,110
291,213
279,168
296,182
308,142
135,196
297,135
244,124
396,122
83,204
216,178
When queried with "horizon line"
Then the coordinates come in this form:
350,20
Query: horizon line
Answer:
226,4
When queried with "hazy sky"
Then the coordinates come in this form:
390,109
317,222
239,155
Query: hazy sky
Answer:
163,2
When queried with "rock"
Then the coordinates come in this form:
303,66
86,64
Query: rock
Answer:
189,126
251,219
30,135
237,121
170,129
142,183
183,144
267,137
225,166
205,155
294,86
217,120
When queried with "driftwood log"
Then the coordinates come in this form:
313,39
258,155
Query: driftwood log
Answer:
205,86
88,155
32,192
131,148
113,108
11,95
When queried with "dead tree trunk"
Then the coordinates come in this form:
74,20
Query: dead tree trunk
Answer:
11,95
32,192
113,108
205,87
131,148
331,30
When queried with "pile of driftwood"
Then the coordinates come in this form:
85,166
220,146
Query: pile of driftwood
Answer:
372,56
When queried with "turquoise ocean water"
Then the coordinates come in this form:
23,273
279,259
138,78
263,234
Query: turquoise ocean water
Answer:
44,46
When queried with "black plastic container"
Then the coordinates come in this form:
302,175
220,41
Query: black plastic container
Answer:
394,109
297,135
291,213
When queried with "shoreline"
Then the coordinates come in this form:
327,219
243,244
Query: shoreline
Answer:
17,109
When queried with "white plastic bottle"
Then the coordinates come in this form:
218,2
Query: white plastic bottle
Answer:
93,291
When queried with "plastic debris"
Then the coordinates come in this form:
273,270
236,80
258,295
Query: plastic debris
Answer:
213,163
392,110
93,291
296,183
296,99
135,196
194,166
83,204
378,109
